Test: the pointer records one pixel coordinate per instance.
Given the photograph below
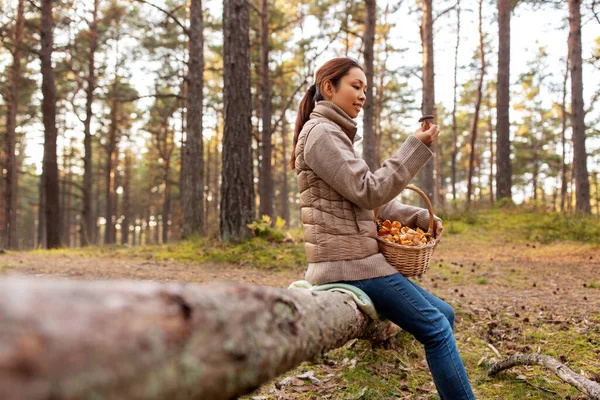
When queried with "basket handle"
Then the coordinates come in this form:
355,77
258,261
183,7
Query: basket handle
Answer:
427,202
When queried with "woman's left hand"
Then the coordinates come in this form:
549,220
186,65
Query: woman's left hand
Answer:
439,228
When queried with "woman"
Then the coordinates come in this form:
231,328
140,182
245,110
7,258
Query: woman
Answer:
338,194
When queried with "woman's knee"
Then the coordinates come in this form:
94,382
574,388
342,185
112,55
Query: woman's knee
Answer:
437,332
448,312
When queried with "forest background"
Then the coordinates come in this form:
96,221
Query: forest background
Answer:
114,122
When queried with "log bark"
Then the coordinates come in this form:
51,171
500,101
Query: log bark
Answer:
584,385
64,339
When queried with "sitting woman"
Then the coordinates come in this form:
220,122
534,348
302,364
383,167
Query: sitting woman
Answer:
338,194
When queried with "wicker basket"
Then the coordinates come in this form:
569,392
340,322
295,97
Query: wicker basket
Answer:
410,260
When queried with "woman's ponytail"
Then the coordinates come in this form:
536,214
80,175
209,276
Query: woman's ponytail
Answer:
307,104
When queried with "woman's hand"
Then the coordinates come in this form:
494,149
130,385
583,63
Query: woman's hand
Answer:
428,136
439,228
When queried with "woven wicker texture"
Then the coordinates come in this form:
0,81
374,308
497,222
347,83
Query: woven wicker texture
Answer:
410,260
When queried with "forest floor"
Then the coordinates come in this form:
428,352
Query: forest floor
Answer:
509,296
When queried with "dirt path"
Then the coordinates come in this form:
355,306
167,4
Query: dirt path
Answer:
522,273
79,267
559,279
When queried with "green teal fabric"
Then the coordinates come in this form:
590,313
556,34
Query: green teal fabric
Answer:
360,298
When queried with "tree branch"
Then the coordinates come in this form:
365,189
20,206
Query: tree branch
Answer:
255,8
156,96
167,13
594,11
34,5
446,11
584,385
355,34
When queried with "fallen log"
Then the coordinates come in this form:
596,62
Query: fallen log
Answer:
584,385
63,339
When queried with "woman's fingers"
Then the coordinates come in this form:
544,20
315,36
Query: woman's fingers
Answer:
439,229
428,136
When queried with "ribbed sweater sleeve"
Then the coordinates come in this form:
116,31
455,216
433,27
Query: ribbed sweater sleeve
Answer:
329,153
407,215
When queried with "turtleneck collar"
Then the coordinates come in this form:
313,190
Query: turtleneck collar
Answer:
327,109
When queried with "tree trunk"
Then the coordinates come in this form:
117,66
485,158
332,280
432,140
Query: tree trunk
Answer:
161,340
193,158
285,191
68,189
51,187
111,160
96,237
370,141
208,198
41,237
166,201
87,217
597,188
10,161
237,187
380,98
492,159
503,163
148,213
563,141
428,106
266,148
62,180
535,170
454,127
438,177
126,200
216,177
475,120
535,154
582,183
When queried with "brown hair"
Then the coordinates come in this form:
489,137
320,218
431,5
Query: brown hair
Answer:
333,70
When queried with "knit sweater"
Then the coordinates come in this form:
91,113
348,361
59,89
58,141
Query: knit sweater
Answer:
338,193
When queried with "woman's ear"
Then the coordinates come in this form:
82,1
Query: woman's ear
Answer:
328,89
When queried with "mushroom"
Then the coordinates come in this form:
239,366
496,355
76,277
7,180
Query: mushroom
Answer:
425,121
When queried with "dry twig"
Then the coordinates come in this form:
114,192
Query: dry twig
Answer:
584,385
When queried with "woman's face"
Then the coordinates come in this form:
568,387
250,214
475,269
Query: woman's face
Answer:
350,93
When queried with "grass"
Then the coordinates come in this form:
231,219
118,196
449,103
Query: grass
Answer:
525,223
377,373
256,252
489,240
272,250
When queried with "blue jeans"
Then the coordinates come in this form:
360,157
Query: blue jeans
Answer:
430,320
